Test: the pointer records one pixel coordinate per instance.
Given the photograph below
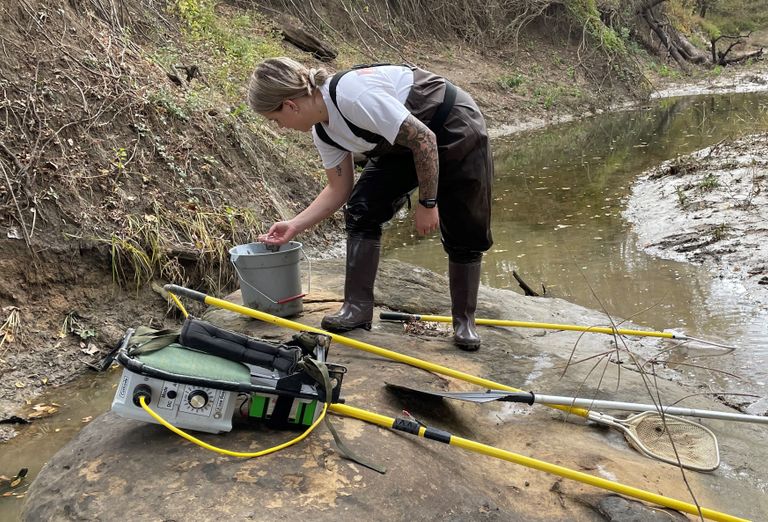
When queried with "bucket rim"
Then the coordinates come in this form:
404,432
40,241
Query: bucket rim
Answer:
285,248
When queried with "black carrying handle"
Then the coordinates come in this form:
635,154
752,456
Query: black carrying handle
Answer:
399,316
186,292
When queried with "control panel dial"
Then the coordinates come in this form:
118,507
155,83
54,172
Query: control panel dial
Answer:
198,399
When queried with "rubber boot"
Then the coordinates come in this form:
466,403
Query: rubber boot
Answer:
464,280
357,310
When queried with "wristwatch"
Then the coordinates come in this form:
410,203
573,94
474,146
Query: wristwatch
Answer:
428,203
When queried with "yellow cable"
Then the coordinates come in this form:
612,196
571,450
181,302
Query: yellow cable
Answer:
388,422
178,303
222,451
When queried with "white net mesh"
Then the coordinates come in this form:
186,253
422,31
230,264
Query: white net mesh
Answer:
671,439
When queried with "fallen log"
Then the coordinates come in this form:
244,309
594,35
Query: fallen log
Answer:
307,42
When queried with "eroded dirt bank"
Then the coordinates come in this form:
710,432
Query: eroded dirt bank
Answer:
59,285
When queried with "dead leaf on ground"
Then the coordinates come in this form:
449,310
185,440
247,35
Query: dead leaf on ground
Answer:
43,410
427,328
91,349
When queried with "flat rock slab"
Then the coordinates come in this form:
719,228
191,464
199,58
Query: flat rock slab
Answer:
118,468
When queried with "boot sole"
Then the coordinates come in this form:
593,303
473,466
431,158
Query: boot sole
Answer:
344,328
467,347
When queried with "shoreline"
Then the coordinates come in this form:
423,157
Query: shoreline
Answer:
741,82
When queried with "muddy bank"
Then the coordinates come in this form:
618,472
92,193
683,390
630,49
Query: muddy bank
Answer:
736,80
710,207
114,461
732,80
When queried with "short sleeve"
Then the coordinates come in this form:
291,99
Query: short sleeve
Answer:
376,111
329,155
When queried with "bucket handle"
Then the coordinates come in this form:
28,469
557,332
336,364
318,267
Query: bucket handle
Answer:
284,299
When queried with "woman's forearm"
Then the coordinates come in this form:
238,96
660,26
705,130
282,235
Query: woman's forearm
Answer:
324,205
331,198
423,143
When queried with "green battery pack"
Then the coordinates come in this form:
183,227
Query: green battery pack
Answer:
282,411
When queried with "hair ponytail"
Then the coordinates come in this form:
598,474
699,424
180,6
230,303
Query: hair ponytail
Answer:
278,79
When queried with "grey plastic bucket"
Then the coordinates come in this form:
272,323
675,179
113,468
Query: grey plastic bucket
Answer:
270,280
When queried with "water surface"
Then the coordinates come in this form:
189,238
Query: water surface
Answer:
559,195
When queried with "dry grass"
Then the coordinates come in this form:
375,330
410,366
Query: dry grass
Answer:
10,329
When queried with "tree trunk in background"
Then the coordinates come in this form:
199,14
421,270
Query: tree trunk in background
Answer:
691,52
660,29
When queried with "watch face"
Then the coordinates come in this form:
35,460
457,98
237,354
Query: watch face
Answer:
428,203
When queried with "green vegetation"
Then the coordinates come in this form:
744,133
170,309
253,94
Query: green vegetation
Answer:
168,101
231,43
151,245
664,70
549,96
738,16
510,82
709,182
719,232
586,13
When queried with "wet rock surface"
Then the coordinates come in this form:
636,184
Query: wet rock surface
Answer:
142,471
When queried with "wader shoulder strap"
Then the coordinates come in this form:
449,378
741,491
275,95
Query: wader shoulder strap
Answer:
435,124
438,119
320,130
370,137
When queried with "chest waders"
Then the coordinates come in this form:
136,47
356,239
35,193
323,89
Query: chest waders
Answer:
385,185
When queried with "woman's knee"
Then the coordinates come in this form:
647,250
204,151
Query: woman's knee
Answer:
463,257
360,221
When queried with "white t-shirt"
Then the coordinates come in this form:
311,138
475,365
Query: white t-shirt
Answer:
371,98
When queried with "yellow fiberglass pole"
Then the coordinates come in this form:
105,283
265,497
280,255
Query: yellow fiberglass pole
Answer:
415,428
398,316
353,343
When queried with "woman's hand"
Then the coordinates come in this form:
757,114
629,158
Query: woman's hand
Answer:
279,233
330,199
427,220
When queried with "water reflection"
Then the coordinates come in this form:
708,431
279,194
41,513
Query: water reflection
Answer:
77,405
557,220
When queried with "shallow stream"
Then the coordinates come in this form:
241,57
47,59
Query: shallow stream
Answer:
559,197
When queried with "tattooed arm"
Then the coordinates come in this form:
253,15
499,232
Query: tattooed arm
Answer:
330,199
423,143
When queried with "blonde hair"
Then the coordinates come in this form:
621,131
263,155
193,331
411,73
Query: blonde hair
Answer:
279,79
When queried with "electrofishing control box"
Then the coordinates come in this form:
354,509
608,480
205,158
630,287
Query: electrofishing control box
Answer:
203,377
186,406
